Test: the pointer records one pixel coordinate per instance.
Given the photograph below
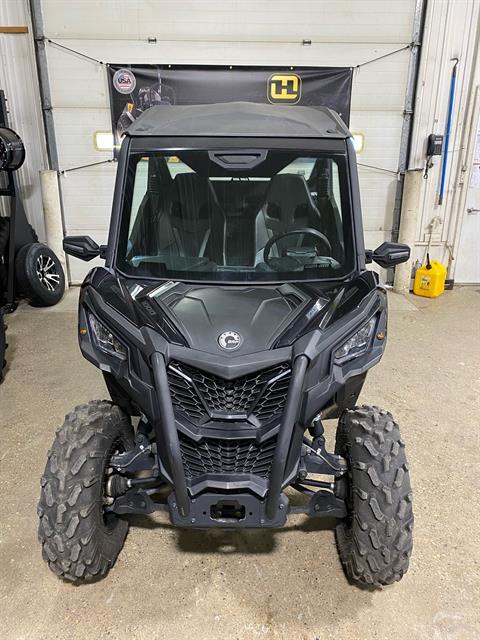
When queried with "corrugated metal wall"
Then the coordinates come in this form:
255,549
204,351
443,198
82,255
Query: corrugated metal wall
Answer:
270,32
18,78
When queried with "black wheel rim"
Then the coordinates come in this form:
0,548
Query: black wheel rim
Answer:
47,272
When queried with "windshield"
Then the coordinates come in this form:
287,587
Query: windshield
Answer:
236,216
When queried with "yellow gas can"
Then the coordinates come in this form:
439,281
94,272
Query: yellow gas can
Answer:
430,279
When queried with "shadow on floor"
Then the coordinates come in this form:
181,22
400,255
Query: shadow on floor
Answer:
231,541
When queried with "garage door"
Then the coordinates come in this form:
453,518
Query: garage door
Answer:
342,33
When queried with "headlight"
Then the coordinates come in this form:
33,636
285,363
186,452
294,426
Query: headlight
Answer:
105,340
357,344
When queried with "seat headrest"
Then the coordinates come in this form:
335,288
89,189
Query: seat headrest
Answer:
289,185
288,191
192,181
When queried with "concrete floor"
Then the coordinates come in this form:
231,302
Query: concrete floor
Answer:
171,584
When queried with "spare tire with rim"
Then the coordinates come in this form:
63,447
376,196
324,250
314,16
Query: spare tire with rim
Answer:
39,275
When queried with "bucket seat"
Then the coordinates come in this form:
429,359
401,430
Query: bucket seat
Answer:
288,205
196,218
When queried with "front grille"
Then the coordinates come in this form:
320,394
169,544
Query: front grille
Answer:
201,395
226,456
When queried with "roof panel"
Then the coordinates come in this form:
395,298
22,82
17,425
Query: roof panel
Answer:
239,119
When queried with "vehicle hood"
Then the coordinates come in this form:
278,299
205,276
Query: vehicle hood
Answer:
226,319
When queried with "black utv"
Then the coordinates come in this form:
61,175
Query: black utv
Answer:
234,314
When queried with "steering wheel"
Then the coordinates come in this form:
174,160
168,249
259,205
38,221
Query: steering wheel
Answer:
295,232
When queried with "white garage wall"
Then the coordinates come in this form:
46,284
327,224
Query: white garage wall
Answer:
18,78
268,32
452,31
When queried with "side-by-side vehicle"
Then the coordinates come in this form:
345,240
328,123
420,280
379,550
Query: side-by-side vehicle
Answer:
233,316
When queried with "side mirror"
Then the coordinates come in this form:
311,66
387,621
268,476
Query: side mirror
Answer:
388,254
83,247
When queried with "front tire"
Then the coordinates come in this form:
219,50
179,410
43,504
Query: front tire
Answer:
79,541
375,540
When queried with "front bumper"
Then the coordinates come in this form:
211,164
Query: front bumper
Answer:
228,511
168,440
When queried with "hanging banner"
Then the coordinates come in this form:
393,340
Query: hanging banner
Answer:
135,88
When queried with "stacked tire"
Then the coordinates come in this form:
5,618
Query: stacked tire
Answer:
3,345
4,234
39,275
